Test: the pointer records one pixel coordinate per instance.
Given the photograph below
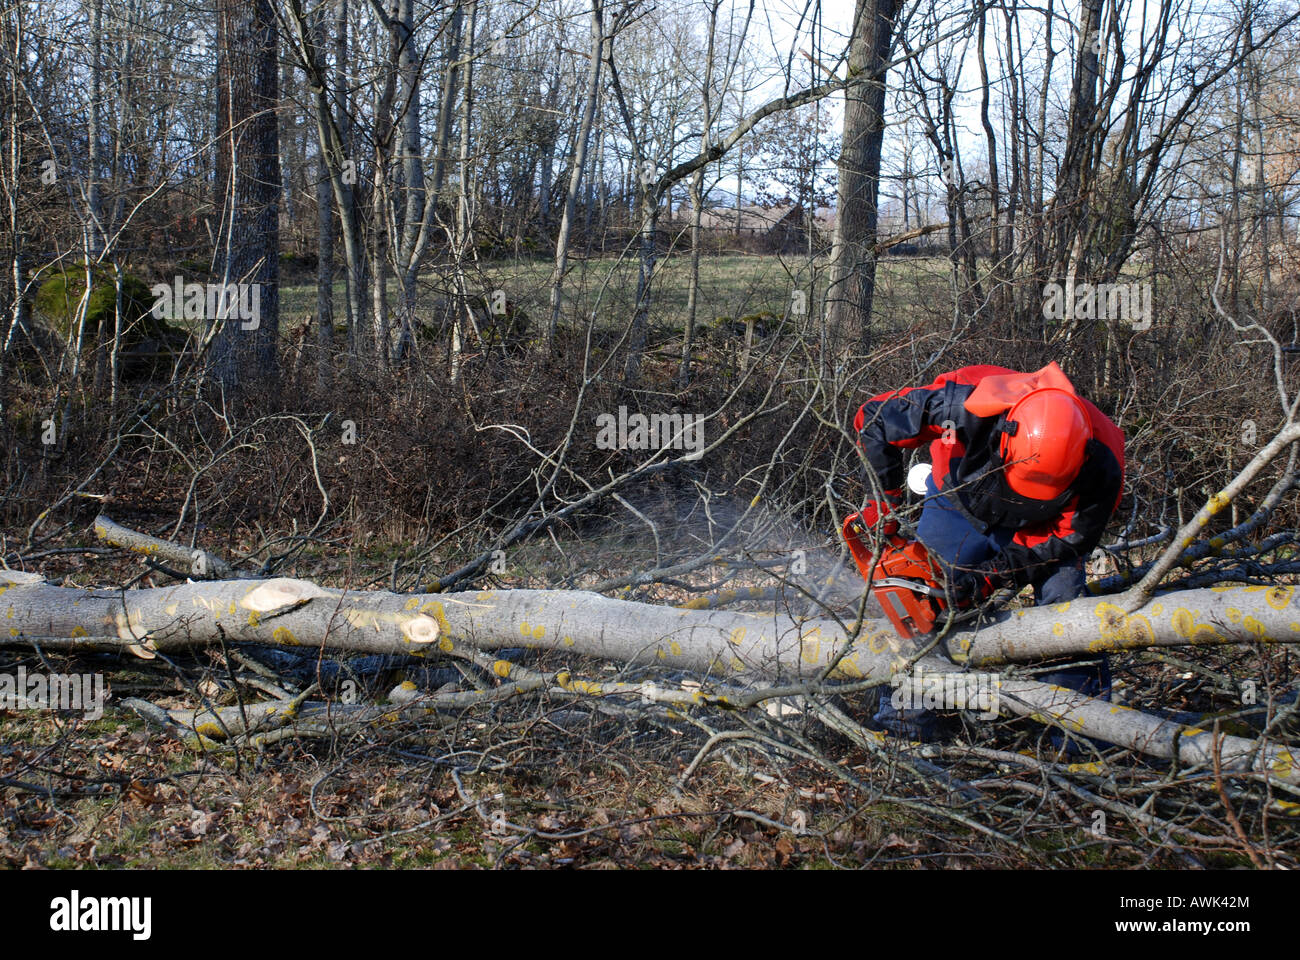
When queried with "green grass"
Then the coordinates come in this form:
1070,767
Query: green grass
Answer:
731,286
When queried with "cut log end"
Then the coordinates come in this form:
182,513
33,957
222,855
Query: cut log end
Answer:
421,629
139,643
404,692
281,592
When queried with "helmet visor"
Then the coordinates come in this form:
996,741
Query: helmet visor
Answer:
1027,510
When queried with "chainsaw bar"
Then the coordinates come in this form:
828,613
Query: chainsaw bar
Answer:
916,586
920,586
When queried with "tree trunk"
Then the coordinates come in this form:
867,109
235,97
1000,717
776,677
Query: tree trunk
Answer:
999,280
324,233
341,185
332,133
853,258
288,146
381,201
1040,252
693,282
1261,191
575,174
1069,201
697,204
547,175
93,225
248,188
447,104
413,222
463,238
14,54
640,328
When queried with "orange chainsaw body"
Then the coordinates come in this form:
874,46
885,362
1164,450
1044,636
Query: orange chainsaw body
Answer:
901,578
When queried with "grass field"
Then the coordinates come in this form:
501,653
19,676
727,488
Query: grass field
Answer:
731,286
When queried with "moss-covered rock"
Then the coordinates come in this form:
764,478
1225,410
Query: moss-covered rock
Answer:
59,294
148,343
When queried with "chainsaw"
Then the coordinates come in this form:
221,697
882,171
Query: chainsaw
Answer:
902,579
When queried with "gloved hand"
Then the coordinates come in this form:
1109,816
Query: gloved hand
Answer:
876,512
968,586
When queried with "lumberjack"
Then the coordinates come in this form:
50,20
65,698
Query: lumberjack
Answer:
1025,476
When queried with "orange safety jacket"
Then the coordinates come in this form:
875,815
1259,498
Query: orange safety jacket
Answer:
961,415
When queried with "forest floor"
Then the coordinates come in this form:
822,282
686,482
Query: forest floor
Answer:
549,784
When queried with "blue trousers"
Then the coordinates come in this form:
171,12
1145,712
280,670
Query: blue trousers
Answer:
951,540
954,543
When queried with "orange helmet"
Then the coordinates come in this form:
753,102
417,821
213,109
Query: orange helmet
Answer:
1045,448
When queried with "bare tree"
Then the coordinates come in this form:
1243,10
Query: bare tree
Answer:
595,58
853,270
248,189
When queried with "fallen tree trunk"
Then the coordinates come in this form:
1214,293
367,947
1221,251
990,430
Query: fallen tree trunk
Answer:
773,647
198,563
297,612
